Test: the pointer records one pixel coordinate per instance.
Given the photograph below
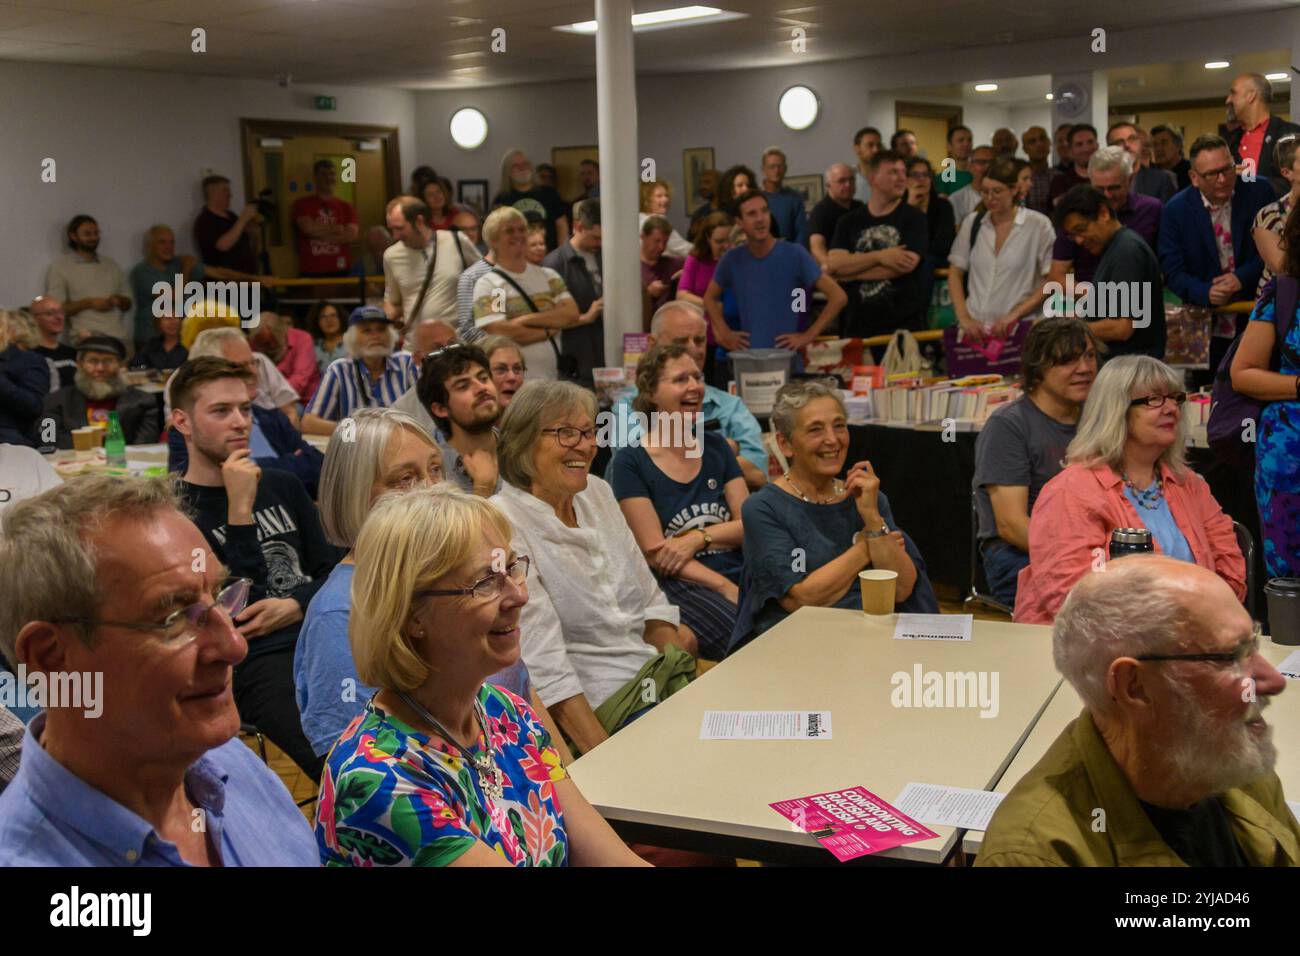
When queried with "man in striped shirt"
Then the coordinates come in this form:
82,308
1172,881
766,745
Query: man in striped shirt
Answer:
374,375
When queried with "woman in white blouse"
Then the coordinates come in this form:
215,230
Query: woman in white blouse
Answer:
656,197
601,640
1006,264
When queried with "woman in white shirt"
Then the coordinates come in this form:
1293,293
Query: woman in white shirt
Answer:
602,642
1005,265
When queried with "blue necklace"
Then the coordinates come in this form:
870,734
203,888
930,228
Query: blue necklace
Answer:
1148,498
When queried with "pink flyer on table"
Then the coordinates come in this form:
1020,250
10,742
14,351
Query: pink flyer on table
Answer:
852,823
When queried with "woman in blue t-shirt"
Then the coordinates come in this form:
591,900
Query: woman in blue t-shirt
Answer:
808,534
681,491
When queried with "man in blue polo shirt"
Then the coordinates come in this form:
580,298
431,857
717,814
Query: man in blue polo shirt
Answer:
773,282
135,759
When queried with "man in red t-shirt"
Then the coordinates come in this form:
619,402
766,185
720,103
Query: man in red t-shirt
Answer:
326,225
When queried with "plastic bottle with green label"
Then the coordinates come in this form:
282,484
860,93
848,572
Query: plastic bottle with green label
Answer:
115,443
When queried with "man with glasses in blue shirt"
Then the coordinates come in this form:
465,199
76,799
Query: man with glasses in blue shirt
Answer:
109,586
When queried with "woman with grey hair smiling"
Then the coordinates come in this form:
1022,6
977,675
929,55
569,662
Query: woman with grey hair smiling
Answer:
808,534
1125,468
602,642
376,452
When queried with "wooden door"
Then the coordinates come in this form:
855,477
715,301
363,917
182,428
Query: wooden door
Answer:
280,156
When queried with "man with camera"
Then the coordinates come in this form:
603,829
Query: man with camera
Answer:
224,239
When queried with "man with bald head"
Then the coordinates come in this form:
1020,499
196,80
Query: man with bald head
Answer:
1038,147
1004,142
683,323
1171,761
1249,104
826,214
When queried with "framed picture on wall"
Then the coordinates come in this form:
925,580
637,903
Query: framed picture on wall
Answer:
473,193
694,162
810,187
566,160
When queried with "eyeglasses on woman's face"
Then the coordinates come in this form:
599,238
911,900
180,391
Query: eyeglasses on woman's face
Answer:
487,588
1156,401
570,437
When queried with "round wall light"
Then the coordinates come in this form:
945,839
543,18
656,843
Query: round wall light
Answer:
798,107
468,128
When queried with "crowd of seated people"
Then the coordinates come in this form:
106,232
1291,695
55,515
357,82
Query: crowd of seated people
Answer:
449,603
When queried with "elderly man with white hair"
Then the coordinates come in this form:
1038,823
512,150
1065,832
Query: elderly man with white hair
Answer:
1110,170
139,764
1171,761
828,211
375,374
271,390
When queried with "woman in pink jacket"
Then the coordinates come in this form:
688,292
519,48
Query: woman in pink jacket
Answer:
1125,468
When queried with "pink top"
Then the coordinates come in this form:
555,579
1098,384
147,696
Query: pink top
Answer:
1069,534
696,275
298,364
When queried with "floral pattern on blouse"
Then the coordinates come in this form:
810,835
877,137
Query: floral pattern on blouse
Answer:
390,796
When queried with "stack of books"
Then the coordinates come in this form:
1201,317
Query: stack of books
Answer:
910,401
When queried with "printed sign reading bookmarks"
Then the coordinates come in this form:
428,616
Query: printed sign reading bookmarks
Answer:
852,823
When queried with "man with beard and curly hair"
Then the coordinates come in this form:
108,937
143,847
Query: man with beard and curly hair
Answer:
99,387
1171,761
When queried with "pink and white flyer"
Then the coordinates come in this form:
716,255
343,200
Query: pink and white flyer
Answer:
852,823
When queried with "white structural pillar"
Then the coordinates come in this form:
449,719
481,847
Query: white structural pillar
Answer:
1096,110
620,174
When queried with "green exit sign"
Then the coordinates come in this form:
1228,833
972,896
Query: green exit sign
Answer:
326,103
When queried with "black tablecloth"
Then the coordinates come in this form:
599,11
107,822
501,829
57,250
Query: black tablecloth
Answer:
928,483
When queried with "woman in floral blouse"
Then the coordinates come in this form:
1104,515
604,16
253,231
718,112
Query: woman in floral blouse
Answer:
441,769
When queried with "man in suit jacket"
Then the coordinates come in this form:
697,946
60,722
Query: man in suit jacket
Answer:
99,387
280,446
1256,136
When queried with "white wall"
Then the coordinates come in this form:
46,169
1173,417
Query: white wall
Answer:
129,146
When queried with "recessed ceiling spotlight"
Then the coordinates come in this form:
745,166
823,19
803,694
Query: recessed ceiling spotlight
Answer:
1217,65
1277,77
986,87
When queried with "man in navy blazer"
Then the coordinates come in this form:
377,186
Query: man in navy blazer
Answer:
291,452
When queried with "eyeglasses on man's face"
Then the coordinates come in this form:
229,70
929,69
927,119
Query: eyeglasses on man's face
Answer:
489,587
570,437
1238,656
182,626
1156,401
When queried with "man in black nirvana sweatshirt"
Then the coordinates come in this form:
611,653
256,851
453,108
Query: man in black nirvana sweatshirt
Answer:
264,527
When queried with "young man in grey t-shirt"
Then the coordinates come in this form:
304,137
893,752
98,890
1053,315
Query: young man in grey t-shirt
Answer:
1022,445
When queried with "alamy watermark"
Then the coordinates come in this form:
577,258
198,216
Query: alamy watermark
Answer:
947,689
1101,300
182,298
69,689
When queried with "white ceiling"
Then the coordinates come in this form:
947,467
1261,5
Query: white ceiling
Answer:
445,43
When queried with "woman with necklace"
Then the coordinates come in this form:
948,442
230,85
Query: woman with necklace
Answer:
681,490
808,534
442,769
1125,468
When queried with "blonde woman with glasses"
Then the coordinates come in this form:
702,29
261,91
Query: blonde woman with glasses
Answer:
1125,468
443,768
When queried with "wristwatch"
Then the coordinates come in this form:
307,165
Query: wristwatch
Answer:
708,539
884,530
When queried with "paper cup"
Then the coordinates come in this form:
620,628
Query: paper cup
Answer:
878,588
86,439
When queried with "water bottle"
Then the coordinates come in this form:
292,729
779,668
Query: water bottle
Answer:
1130,541
115,443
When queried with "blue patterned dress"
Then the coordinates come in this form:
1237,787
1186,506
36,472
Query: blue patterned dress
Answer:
1277,463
